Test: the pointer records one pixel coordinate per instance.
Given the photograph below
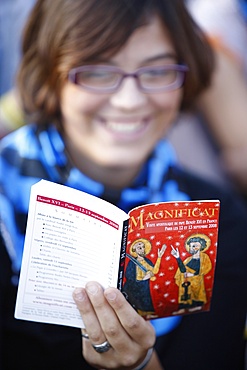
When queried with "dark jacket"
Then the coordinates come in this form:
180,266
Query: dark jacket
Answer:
202,341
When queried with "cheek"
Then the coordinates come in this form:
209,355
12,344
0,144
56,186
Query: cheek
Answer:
169,102
75,101
168,108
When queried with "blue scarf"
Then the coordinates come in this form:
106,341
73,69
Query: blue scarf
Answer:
243,8
46,152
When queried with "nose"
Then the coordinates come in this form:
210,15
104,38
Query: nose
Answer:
129,97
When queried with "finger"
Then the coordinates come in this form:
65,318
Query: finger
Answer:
89,317
138,329
108,319
173,248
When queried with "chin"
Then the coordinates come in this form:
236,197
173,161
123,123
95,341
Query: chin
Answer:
126,159
111,163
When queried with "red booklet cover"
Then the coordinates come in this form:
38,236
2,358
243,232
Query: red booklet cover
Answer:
170,257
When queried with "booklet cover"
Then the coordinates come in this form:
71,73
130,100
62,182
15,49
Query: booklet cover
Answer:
162,256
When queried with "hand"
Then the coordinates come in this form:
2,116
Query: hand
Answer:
175,252
188,274
162,250
148,275
108,316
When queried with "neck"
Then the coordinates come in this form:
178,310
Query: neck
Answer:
197,255
140,258
112,177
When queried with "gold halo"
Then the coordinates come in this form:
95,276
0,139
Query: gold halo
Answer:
198,235
146,243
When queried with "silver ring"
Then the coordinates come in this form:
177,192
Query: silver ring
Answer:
101,348
84,334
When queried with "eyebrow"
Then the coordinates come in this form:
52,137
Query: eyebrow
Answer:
145,61
160,56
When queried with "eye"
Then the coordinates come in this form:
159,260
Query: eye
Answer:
157,72
97,78
95,75
160,76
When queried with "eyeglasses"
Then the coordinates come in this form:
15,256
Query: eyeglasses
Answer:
108,79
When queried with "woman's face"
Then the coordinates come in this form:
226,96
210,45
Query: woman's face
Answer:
117,131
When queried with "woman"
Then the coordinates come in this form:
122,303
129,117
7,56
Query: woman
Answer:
102,82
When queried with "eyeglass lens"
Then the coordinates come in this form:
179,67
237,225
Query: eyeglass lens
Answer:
148,78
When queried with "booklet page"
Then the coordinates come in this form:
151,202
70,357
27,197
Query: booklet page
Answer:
71,238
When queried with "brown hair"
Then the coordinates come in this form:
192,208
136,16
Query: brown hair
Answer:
62,34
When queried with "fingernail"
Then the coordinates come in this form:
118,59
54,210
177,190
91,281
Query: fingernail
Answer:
110,296
92,288
79,294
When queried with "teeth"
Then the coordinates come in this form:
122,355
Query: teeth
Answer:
124,127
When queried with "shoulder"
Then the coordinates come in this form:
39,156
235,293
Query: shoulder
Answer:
148,261
18,139
199,188
233,210
20,154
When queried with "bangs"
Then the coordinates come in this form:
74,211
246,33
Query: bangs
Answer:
101,29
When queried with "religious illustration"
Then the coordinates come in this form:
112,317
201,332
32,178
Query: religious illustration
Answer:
170,258
190,274
139,272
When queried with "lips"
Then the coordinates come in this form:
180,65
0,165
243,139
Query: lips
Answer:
125,126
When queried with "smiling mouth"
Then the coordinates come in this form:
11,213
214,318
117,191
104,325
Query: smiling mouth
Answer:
125,126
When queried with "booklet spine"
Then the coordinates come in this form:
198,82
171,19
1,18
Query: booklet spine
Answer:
122,254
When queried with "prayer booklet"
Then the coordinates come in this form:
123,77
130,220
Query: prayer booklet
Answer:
161,256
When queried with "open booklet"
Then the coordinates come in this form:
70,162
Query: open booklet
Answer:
161,256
